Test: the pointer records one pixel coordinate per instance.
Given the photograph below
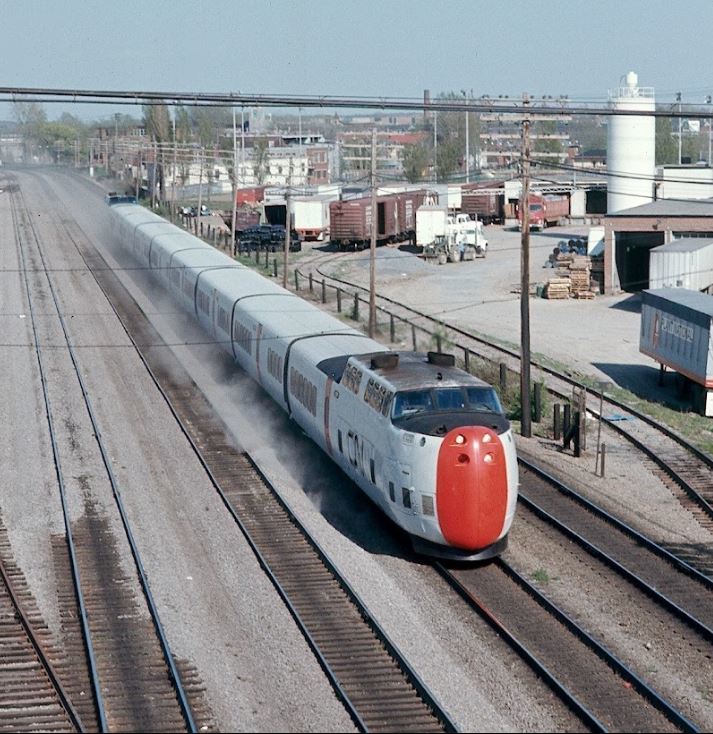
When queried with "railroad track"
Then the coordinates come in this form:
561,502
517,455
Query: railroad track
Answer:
376,684
670,581
602,691
683,467
118,646
600,688
31,689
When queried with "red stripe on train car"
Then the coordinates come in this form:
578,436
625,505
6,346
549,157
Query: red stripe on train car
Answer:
471,487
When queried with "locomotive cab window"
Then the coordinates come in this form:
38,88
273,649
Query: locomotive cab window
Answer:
446,399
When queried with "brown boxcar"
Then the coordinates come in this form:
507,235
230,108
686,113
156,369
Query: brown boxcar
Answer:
350,219
484,200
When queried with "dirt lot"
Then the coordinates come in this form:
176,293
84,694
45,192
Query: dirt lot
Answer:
598,337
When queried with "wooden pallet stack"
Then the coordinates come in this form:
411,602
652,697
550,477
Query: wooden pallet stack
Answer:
558,288
573,278
580,269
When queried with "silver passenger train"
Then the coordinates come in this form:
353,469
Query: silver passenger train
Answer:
426,441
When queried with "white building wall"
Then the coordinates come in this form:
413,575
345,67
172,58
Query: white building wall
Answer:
685,182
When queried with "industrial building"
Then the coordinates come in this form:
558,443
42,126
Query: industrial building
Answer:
629,236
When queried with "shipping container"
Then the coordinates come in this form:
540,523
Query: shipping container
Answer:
676,332
684,263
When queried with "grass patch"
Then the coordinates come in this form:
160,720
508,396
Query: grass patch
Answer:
541,576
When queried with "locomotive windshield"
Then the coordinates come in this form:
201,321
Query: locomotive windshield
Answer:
435,411
446,399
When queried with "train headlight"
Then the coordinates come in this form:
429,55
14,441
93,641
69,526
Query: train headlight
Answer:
460,439
463,459
489,458
487,438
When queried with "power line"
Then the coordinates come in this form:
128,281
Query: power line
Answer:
546,105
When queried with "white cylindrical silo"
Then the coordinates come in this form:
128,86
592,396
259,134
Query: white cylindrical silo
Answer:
630,146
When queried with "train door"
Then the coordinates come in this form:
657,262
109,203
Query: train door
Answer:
381,218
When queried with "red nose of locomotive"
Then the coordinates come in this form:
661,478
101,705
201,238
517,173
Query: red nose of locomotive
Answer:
472,487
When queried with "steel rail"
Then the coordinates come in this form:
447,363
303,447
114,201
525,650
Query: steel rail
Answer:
352,708
41,654
670,606
644,690
623,527
567,696
604,654
79,594
173,670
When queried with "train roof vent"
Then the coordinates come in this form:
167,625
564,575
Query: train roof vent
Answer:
441,359
386,361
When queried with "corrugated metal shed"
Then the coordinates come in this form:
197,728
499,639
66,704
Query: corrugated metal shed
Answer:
684,263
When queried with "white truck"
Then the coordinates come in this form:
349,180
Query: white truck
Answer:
431,222
468,232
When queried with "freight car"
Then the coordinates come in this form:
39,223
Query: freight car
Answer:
426,441
676,332
350,220
484,201
546,211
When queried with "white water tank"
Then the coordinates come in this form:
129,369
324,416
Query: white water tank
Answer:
631,143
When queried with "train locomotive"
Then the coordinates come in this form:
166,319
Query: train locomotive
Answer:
426,441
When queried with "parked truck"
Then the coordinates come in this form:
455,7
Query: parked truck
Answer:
468,231
448,248
545,211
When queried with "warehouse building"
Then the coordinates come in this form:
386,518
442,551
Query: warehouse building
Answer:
630,234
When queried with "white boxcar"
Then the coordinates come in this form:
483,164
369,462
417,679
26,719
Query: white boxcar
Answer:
684,263
676,332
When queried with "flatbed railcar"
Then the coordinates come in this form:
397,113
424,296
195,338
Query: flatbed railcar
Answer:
350,219
428,443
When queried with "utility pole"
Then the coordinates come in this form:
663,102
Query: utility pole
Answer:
234,187
138,178
710,136
467,145
678,99
525,426
288,228
435,145
173,185
372,249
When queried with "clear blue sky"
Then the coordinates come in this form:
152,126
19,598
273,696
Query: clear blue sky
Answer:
394,48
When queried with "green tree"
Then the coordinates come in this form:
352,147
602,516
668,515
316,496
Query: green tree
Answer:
260,160
157,122
546,145
416,158
666,144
